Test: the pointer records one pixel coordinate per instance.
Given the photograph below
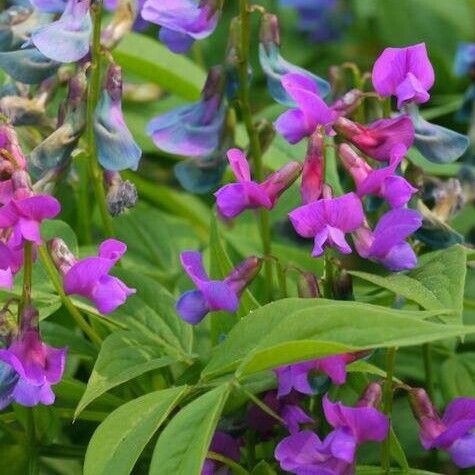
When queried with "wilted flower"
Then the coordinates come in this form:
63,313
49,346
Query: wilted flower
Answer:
311,112
121,195
328,220
211,295
378,139
193,130
275,67
453,432
405,73
233,199
386,244
182,21
116,148
89,277
29,367
66,40
222,444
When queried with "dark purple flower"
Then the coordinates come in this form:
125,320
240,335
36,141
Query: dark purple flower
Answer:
193,130
454,432
382,182
89,277
182,21
386,244
233,199
211,295
286,407
33,368
67,39
378,139
404,72
311,111
328,220
222,444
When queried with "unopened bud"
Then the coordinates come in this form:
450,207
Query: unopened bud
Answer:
269,33
426,414
114,82
307,286
121,195
214,83
63,258
371,396
244,273
355,165
343,286
282,179
312,174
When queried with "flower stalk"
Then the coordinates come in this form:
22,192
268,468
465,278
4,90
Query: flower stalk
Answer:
388,407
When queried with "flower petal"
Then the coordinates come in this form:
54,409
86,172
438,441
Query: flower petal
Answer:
192,307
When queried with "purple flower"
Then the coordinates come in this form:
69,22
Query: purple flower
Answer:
454,432
31,368
182,21
386,244
296,376
233,199
465,60
193,130
311,112
24,216
211,295
328,220
89,277
222,444
67,39
116,148
286,407
11,261
378,139
404,72
383,182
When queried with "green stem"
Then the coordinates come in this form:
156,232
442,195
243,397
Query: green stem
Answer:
74,312
63,451
27,277
327,274
388,407
254,142
84,215
235,467
427,358
282,279
95,171
33,467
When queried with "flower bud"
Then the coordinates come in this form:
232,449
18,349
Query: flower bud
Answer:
356,166
121,195
307,286
63,258
312,174
244,273
282,179
425,413
371,396
269,33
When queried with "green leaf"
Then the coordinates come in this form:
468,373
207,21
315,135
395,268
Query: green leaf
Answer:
456,379
59,336
397,452
263,468
362,470
118,442
184,443
438,284
292,330
151,60
123,356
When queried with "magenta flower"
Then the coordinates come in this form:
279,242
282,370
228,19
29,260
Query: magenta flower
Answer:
24,216
453,432
37,367
405,73
386,244
233,199
182,21
286,407
89,277
296,376
311,111
11,261
378,138
328,220
211,295
222,444
383,182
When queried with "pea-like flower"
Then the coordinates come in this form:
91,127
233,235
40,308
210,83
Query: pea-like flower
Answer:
328,220
233,199
222,444
182,21
406,73
211,295
453,432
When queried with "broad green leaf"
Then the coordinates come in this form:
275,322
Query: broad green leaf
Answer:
123,356
59,336
456,379
184,443
435,285
118,442
291,330
151,60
